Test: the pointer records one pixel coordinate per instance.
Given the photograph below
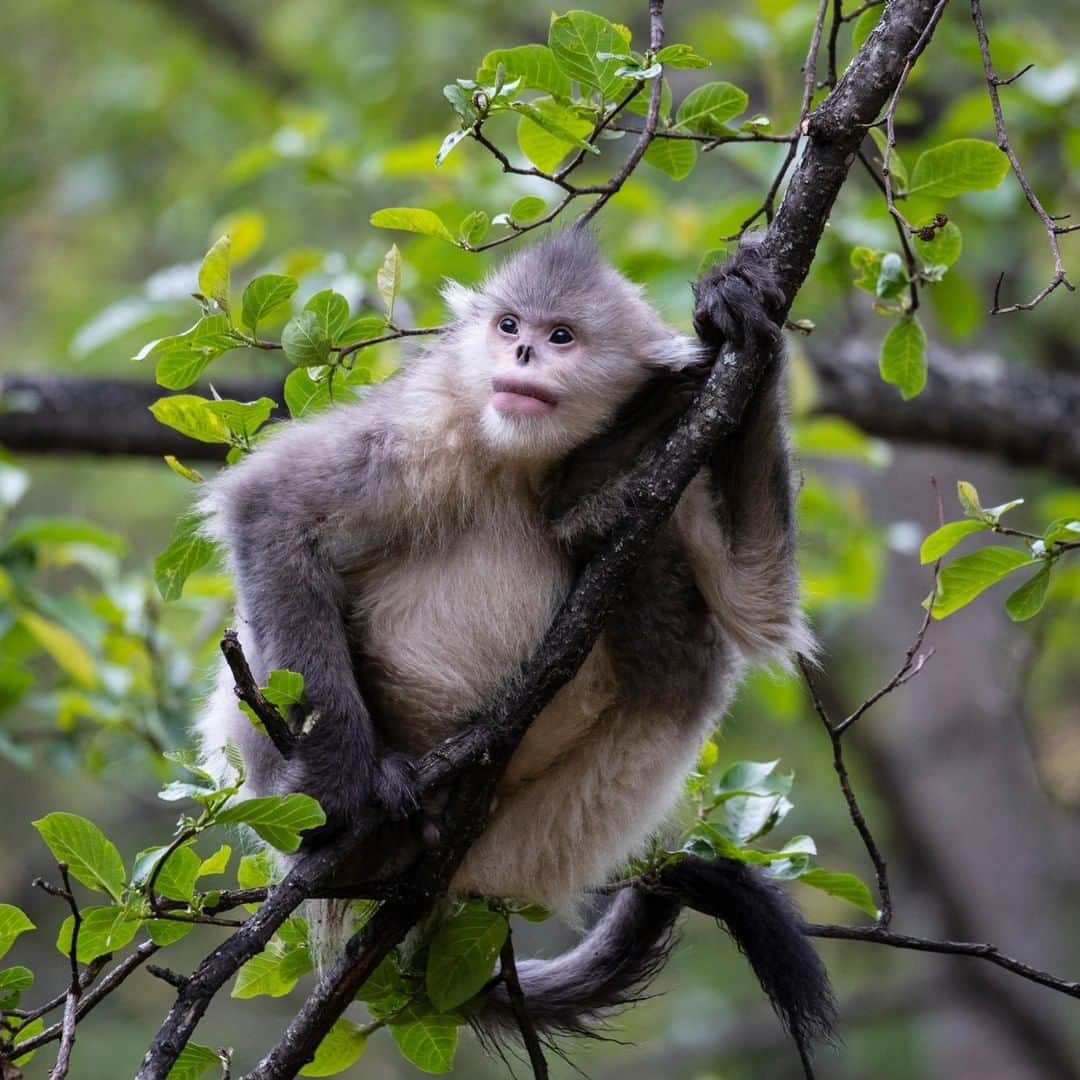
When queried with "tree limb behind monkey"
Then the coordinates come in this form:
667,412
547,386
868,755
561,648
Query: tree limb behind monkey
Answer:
407,552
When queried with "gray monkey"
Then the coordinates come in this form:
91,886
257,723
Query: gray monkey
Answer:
407,552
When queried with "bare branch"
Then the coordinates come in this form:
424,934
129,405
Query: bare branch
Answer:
508,970
247,690
991,953
1053,229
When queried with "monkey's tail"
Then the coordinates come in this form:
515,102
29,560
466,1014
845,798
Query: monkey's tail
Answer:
615,962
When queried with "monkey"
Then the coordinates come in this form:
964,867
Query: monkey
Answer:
406,553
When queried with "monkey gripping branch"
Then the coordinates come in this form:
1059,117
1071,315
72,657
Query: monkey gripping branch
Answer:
470,765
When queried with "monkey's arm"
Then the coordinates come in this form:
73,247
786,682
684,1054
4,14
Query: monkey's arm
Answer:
290,516
739,523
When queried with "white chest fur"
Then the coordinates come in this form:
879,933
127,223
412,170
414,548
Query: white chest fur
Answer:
444,623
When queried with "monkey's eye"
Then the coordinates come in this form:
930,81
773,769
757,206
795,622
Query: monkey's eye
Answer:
561,335
508,324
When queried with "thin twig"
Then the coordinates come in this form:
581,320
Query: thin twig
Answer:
991,953
890,117
109,982
508,971
71,1003
881,871
247,690
1053,229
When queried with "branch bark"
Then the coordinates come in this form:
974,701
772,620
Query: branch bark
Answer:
979,402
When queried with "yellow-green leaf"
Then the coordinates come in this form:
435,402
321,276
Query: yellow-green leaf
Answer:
411,219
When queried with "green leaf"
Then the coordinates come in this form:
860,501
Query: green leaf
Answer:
867,263
845,886
386,991
178,369
176,879
67,651
576,37
92,857
681,56
463,955
942,541
676,157
13,982
527,208
263,294
214,273
903,356
262,976
943,250
1064,530
1029,599
189,414
706,109
256,871
187,552
332,311
283,689
554,124
13,922
411,219
341,1048
305,340
217,863
429,1042
103,930
307,393
388,279
832,436
183,470
474,227
363,328
958,166
968,497
193,1061
536,141
278,819
533,64
965,578
31,531
165,932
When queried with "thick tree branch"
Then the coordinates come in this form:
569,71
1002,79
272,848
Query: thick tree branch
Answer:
978,402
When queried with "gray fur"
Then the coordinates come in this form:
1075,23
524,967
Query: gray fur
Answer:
400,553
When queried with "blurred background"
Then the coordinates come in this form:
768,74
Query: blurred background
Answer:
135,133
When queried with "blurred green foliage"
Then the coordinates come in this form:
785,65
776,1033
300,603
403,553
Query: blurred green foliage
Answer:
138,134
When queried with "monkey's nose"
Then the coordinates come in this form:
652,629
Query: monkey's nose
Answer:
524,354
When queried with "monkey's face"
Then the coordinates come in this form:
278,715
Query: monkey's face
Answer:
544,387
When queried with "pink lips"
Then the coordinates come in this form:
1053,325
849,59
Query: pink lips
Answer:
520,398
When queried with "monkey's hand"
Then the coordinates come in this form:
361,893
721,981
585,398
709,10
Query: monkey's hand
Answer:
337,768
738,304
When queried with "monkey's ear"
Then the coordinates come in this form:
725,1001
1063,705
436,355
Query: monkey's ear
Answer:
676,352
460,299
